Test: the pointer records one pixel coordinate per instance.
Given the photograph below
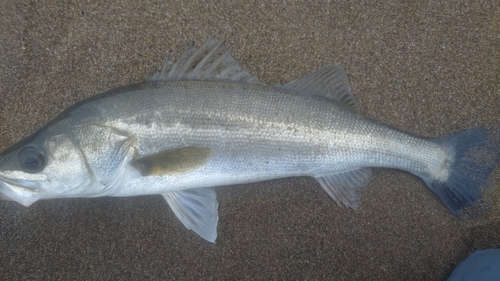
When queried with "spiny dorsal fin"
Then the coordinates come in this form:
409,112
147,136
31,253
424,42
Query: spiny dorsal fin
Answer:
211,61
328,81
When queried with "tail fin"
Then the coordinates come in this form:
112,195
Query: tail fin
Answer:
476,153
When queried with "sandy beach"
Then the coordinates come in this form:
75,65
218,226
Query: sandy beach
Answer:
431,68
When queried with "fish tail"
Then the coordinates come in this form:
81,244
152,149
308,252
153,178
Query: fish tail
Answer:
474,155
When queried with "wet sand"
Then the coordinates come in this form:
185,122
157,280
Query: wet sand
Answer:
429,68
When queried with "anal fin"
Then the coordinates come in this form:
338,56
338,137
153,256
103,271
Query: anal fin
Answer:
345,187
197,210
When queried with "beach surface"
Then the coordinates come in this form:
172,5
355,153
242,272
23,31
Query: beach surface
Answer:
431,68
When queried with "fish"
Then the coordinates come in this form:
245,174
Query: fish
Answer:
205,122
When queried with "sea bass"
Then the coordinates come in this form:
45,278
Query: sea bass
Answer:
204,122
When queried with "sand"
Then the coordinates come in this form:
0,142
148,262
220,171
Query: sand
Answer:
431,68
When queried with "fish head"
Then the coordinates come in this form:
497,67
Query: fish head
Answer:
42,167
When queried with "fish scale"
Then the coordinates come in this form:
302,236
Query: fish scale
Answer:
205,122
244,138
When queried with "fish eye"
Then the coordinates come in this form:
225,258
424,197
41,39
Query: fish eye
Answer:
32,159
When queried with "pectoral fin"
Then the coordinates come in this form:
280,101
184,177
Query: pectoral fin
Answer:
197,210
173,161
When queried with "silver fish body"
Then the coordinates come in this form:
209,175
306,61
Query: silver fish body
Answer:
179,135
256,133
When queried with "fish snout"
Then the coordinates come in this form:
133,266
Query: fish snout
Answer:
22,192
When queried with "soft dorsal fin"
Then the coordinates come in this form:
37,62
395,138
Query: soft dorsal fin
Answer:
328,81
211,61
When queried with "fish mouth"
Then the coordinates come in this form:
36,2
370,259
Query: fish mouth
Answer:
20,191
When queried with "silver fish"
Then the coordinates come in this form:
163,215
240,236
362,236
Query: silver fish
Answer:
204,122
